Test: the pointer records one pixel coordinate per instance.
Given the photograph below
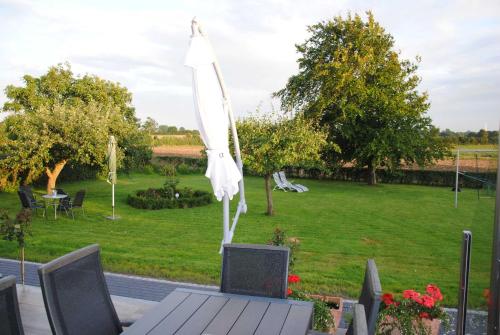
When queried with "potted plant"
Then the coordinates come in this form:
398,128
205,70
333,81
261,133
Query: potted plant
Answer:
324,320
16,230
412,313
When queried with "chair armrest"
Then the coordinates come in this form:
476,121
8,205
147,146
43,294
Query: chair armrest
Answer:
127,323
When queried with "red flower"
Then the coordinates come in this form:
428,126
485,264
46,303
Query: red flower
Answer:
434,292
410,294
427,301
413,295
424,315
293,279
289,292
388,299
487,296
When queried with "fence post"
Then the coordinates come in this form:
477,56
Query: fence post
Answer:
463,288
494,297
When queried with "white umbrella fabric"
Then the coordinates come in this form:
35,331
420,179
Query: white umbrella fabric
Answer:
214,117
111,156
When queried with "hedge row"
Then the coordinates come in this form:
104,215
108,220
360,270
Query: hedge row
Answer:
417,177
185,165
145,200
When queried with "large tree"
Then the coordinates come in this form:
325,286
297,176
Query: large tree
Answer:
353,80
271,142
58,118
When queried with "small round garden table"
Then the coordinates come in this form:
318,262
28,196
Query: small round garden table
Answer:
54,198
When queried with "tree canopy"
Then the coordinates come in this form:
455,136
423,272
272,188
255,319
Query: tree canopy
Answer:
271,142
57,118
353,81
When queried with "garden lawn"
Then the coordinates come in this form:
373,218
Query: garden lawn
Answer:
412,232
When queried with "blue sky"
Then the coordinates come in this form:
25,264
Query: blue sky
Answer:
142,45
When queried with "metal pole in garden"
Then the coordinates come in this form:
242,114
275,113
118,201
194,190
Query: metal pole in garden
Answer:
494,296
463,289
456,179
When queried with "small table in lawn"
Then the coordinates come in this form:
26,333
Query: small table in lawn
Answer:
54,201
196,312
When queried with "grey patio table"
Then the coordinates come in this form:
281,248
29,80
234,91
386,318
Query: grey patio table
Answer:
196,312
54,203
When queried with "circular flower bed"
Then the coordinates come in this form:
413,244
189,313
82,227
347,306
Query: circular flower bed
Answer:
167,197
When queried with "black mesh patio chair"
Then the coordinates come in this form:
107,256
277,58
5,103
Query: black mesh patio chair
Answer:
10,318
76,295
76,203
370,297
359,326
27,204
29,192
258,270
64,202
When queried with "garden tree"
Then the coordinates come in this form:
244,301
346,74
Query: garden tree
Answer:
353,81
483,135
150,126
57,118
163,129
271,142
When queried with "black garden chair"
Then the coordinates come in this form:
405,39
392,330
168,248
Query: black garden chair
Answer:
370,297
259,270
76,203
10,318
76,295
28,204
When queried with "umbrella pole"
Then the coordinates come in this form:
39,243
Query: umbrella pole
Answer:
113,199
225,213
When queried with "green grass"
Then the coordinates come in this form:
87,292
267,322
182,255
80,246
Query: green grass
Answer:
482,155
413,232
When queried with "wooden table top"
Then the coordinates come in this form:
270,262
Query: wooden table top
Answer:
196,312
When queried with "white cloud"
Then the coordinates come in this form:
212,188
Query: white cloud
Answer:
142,45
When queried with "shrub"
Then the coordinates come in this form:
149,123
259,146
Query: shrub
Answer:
169,197
168,170
280,238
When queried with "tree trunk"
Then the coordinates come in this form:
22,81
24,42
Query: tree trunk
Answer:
22,264
372,174
269,195
52,175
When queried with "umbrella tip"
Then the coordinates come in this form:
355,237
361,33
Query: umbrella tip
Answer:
195,26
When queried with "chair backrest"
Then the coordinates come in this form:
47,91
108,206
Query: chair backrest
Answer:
277,179
259,270
359,320
370,296
28,191
76,296
61,191
283,176
24,199
79,196
10,318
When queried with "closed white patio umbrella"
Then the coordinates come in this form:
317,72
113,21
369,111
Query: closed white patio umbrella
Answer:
214,116
111,156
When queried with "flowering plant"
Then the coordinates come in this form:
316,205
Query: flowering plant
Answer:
409,314
323,319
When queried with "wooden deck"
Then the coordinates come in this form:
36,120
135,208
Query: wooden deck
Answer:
34,316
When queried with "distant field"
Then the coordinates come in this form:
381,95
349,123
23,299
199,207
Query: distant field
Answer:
173,140
182,146
192,151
